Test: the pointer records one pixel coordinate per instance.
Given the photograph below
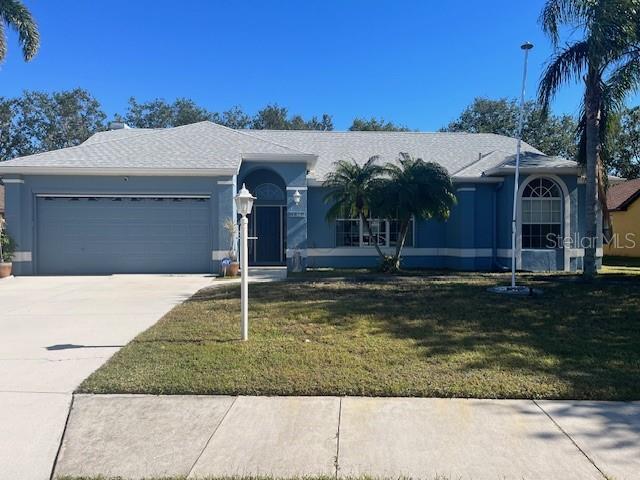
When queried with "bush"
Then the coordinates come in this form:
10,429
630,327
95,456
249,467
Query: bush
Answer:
7,247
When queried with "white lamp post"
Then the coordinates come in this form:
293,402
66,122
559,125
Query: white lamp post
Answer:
244,203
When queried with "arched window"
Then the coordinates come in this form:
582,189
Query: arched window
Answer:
541,214
269,193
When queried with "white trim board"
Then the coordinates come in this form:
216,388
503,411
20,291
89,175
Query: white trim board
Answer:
406,252
119,171
296,188
217,255
121,195
6,181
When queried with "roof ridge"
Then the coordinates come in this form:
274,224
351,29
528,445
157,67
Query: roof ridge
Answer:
388,132
481,157
244,132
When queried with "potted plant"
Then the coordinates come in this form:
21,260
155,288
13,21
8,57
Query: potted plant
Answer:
232,266
7,247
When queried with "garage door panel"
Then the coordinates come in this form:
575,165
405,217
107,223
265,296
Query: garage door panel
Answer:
123,235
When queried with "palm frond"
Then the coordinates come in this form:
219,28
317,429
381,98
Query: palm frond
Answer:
623,80
558,12
3,41
18,17
568,65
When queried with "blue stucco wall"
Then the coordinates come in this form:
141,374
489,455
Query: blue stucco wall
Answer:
21,211
477,236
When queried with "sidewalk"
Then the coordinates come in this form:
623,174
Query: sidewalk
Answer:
137,436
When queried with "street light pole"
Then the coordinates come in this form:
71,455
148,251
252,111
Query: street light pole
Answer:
526,47
244,202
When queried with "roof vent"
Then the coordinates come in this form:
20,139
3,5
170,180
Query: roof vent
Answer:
118,125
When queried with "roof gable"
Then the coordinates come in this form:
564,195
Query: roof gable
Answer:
620,196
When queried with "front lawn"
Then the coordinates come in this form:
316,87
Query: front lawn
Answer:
420,335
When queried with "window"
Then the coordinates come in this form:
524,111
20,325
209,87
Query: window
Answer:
351,233
541,214
348,233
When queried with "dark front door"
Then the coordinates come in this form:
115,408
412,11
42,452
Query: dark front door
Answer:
268,227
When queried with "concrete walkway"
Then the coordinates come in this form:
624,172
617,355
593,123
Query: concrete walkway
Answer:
55,331
137,436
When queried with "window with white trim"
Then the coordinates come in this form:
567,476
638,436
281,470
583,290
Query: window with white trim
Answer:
541,214
350,232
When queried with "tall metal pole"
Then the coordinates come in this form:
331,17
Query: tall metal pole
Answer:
244,291
526,47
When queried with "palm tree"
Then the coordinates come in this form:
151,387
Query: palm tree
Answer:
413,188
16,16
607,59
352,189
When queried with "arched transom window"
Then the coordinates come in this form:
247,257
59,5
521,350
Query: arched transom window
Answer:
541,214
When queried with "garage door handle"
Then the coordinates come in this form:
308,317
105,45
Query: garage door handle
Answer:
252,238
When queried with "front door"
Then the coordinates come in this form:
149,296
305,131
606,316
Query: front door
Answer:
267,228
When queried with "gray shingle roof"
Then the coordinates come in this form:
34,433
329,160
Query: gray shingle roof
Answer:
454,151
507,160
206,145
203,145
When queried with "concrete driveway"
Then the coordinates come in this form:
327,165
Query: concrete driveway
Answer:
55,331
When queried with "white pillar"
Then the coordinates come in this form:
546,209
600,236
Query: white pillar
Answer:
244,278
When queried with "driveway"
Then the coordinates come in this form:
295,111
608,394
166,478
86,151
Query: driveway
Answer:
55,331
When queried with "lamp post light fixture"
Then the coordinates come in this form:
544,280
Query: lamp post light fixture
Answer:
244,203
297,196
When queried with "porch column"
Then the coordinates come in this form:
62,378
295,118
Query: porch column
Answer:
296,229
224,208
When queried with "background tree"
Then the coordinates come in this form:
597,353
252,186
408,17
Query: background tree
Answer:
17,17
551,134
352,190
375,125
274,117
158,113
607,59
412,188
235,117
624,144
38,122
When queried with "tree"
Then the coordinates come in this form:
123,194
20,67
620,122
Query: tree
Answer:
159,113
39,122
624,144
274,117
17,17
412,188
233,118
352,190
553,135
607,60
375,125
271,117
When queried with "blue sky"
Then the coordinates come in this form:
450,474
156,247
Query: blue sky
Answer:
417,63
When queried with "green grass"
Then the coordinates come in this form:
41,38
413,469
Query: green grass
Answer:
439,335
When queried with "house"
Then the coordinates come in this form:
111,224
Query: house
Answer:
155,200
623,202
